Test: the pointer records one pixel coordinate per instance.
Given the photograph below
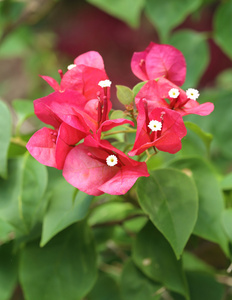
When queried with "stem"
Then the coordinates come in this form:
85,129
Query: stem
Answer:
18,141
119,131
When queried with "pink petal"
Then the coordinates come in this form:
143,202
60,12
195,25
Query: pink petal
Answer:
193,107
91,59
86,173
42,148
72,79
167,61
109,124
52,82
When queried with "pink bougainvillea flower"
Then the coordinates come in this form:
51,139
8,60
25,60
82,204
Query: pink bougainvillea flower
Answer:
82,76
156,93
162,128
158,61
96,167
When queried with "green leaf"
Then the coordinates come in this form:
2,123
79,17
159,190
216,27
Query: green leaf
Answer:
5,134
227,222
117,114
6,232
126,10
223,26
24,110
206,137
226,183
136,286
154,257
211,203
138,87
64,269
165,15
8,271
105,288
124,94
195,49
170,199
21,195
63,211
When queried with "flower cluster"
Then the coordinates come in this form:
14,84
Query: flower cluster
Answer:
78,112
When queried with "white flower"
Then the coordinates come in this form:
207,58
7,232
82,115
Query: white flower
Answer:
155,125
105,83
111,160
71,66
192,94
174,93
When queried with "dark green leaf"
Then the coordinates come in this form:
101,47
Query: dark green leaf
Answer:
64,269
136,286
154,256
227,222
195,49
223,27
8,271
170,199
104,289
62,211
211,204
124,94
126,10
5,134
165,15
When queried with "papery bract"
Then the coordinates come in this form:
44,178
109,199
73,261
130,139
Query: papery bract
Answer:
155,93
167,139
158,61
86,168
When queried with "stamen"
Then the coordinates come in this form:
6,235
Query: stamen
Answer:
61,73
155,125
111,160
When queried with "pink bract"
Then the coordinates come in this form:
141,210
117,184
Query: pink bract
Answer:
86,169
168,139
158,61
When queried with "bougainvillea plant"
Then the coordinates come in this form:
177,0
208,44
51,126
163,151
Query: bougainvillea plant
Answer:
103,204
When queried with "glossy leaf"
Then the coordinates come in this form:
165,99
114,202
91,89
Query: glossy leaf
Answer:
63,211
64,268
165,15
126,10
155,258
8,271
223,26
170,199
195,49
124,94
5,134
211,203
136,286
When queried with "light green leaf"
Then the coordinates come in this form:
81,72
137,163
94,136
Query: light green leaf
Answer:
8,271
167,14
124,94
154,257
63,211
117,114
170,199
21,195
126,10
136,286
195,49
105,288
211,203
223,27
5,135
138,87
226,183
227,222
64,269
24,110
206,137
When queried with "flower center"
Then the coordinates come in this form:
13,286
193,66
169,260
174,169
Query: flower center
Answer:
71,66
104,83
155,125
192,94
111,160
174,93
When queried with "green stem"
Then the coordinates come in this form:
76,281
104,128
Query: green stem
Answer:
119,131
18,141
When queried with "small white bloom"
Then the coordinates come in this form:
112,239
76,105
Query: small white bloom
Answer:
111,160
155,125
192,94
71,66
105,83
174,93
